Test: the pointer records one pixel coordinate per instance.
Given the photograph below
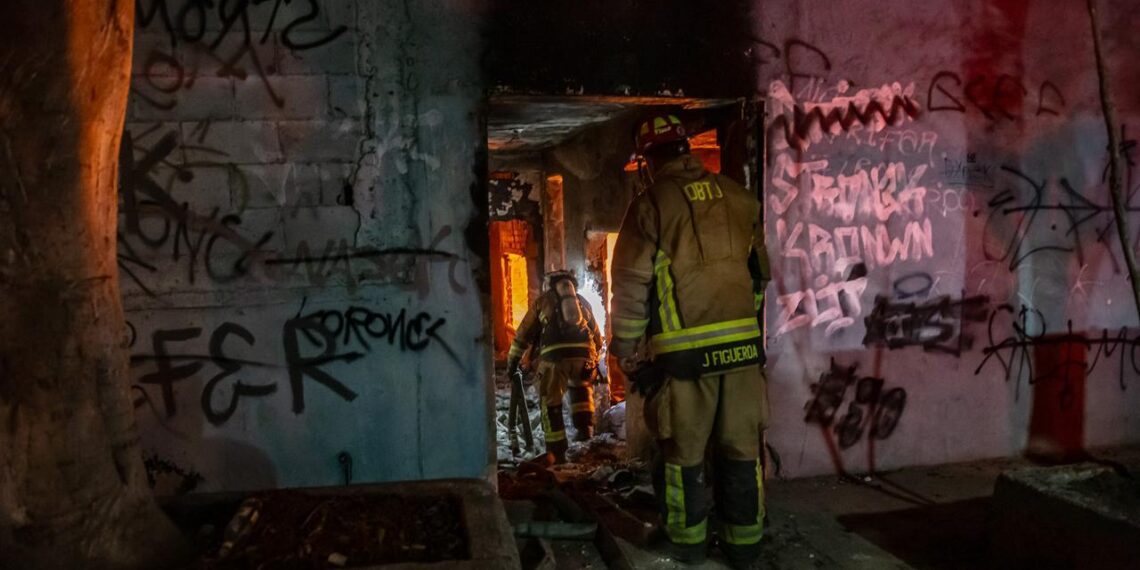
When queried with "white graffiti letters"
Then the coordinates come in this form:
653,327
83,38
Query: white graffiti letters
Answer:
834,304
848,194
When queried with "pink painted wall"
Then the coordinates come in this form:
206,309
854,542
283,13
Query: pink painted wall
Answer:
947,278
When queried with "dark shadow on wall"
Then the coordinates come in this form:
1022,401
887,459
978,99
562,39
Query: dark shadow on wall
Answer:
627,47
246,466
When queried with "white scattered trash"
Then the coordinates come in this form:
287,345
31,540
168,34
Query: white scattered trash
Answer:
240,526
613,421
602,473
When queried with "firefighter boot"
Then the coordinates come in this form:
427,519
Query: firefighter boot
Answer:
681,499
582,412
555,429
740,508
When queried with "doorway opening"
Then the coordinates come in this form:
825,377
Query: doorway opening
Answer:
562,175
599,261
514,273
516,288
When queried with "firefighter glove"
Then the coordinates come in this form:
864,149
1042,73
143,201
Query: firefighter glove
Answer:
645,380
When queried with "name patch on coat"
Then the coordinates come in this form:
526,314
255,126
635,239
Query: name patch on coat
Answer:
731,356
697,362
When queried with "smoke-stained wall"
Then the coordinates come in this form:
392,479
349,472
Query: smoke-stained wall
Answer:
597,189
948,280
302,240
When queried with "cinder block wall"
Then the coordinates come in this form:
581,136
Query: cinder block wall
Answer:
298,183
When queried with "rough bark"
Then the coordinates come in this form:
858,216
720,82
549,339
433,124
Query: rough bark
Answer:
73,491
1115,182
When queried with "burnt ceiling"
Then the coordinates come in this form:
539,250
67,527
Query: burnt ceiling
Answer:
526,123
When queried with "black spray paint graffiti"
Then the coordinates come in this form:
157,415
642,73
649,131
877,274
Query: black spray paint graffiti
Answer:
1022,207
871,408
353,265
797,130
172,368
356,327
167,222
193,19
937,325
155,223
201,26
157,468
995,98
807,69
1013,352
801,61
311,342
970,172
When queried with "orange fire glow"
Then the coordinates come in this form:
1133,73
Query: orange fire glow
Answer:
516,288
611,241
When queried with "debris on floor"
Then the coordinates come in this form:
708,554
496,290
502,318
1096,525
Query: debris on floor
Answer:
609,421
898,519
573,510
285,530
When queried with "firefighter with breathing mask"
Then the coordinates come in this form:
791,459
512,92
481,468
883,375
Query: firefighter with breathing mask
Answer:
565,337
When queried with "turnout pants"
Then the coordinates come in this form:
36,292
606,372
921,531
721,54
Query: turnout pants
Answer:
729,411
555,378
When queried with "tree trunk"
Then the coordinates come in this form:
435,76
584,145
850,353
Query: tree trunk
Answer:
1115,181
73,491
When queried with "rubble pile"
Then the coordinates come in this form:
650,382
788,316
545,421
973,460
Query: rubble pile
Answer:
294,530
609,421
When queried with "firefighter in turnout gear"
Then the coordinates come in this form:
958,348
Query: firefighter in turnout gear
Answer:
566,340
688,276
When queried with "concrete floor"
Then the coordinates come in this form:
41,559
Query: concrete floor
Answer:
924,517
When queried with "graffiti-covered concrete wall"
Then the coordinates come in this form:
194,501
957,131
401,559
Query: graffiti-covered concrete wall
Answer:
948,280
303,223
301,241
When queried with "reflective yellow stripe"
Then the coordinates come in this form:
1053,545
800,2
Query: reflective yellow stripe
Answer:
758,300
546,427
553,347
551,435
676,520
760,488
516,351
738,534
670,320
749,534
629,328
692,535
737,325
582,407
703,343
706,335
674,499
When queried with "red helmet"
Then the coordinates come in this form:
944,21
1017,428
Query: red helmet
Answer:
659,129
